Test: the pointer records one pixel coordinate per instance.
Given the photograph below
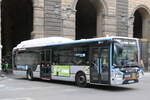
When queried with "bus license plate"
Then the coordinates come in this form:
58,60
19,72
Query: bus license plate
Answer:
133,75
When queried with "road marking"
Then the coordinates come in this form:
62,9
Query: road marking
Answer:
8,88
17,99
2,85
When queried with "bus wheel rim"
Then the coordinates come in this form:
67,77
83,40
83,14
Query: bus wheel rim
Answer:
81,79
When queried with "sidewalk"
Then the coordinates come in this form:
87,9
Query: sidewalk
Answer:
2,76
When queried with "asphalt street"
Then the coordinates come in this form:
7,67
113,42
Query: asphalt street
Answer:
22,89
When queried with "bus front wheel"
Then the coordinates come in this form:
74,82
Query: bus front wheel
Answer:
30,75
81,79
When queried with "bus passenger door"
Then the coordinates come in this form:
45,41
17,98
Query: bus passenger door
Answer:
104,65
94,65
45,70
99,65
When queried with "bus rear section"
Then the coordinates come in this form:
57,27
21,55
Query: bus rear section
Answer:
107,61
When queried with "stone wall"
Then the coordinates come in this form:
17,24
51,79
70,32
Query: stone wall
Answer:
145,41
122,17
68,18
110,20
50,18
38,28
52,21
133,5
108,14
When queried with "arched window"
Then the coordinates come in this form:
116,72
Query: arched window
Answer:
141,23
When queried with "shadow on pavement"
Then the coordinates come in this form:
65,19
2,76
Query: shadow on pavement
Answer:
111,88
97,87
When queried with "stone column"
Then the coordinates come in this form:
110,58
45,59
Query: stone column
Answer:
68,14
110,28
38,19
130,26
52,18
122,17
100,23
110,19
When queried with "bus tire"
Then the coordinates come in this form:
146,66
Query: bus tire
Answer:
30,75
81,79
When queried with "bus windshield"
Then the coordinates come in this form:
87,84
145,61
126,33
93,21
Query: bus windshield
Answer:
125,53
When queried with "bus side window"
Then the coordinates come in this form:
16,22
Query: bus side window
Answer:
48,56
55,57
105,60
81,55
42,57
95,56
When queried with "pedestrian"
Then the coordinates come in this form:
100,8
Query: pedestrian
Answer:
5,66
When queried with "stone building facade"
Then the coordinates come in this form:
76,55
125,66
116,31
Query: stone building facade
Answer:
140,10
51,14
78,19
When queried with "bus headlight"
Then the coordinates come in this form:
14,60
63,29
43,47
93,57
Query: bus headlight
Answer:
118,75
141,73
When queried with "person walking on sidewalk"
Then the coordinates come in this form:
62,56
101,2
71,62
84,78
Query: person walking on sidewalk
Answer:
5,66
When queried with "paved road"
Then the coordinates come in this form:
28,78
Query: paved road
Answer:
22,89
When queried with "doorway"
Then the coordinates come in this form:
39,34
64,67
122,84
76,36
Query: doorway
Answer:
86,20
17,24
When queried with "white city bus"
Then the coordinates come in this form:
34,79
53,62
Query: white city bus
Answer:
106,60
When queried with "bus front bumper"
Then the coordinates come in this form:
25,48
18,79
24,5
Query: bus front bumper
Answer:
130,81
121,82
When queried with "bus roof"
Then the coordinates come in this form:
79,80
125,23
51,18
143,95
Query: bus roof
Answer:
51,41
42,42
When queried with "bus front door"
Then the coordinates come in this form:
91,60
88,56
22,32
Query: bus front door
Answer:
99,70
104,65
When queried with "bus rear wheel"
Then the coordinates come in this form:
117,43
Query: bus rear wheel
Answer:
81,80
30,75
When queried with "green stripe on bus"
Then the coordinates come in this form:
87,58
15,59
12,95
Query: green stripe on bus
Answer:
61,70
